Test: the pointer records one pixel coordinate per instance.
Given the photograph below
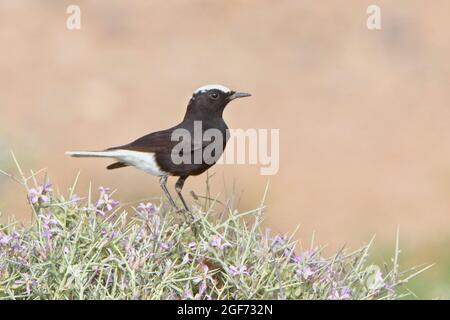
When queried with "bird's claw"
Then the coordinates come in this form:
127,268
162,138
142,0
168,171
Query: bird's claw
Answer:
189,217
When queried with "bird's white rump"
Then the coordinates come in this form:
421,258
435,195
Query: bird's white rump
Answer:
144,161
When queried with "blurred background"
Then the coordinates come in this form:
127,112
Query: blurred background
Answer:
363,115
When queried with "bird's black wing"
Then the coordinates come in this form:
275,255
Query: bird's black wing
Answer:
156,142
153,142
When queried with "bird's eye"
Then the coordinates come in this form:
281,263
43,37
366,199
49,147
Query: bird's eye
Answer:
214,95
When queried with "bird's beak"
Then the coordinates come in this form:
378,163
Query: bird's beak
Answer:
236,95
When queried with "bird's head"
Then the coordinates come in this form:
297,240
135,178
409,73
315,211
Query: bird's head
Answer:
212,99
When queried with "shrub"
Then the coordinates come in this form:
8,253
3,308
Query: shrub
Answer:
83,249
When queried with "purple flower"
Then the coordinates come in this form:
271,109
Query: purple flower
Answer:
187,294
346,293
278,240
376,282
216,241
103,190
308,254
145,210
305,272
28,282
288,251
342,294
49,225
203,278
201,290
165,246
379,278
112,234
33,196
40,194
237,270
304,256
192,245
46,187
74,198
204,275
15,242
44,198
4,239
105,202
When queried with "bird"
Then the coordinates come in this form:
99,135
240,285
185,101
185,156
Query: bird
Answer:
159,153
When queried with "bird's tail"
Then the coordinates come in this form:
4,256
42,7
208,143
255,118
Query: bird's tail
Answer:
95,154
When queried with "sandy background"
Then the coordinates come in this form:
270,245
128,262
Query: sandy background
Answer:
363,115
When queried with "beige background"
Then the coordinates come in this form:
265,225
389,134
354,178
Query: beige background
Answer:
363,115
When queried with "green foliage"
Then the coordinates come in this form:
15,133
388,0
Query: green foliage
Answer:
82,249
79,248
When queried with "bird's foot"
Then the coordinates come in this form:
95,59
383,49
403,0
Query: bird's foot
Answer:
187,214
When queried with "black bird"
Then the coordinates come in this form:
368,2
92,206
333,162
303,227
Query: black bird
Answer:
154,152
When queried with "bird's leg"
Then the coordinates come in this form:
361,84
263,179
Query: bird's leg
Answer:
178,187
163,182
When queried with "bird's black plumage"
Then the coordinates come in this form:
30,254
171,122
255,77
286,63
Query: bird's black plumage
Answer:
153,152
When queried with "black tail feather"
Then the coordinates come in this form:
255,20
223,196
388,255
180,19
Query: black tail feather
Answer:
116,165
